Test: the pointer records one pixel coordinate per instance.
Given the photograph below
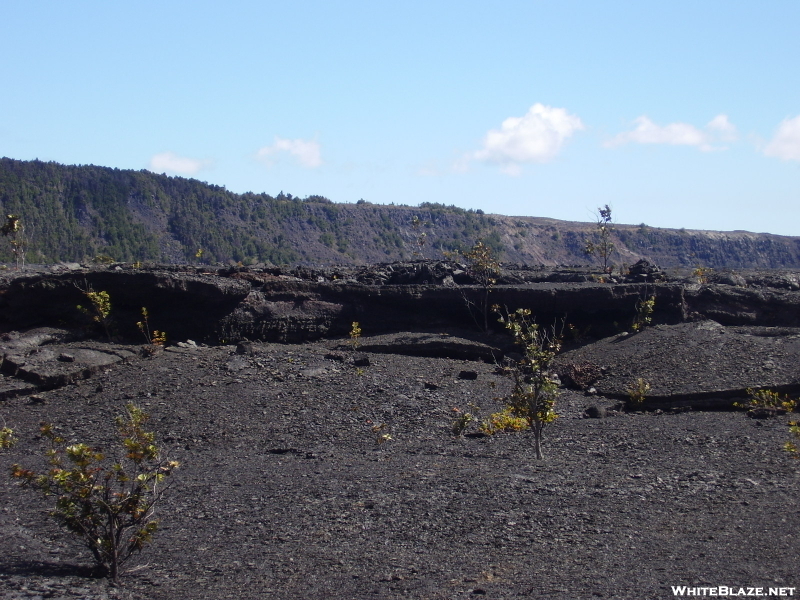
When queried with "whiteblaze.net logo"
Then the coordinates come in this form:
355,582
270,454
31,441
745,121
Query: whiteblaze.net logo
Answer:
724,591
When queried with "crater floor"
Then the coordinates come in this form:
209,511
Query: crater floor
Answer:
285,491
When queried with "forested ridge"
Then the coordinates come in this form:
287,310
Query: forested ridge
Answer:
84,213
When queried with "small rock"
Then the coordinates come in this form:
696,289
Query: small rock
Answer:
361,361
64,357
595,412
245,348
314,372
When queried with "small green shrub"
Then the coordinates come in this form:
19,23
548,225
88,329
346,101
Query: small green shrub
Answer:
464,419
637,393
355,335
381,432
794,428
99,308
156,338
108,504
7,438
505,420
644,313
766,398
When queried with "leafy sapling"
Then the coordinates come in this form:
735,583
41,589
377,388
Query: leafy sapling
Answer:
644,313
381,432
420,236
791,447
14,230
637,393
534,394
109,504
464,419
156,338
484,268
98,309
601,245
7,439
355,335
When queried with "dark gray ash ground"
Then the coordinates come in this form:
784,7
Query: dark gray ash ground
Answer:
285,493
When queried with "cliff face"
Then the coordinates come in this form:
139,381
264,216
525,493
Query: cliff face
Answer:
80,213
709,342
303,304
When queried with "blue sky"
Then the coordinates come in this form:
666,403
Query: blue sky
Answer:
677,114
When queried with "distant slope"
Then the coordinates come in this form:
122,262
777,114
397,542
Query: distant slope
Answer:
76,213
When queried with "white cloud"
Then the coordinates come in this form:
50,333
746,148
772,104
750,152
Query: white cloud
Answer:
719,129
535,137
785,144
169,162
724,128
307,152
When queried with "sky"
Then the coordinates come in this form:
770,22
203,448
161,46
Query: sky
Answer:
676,114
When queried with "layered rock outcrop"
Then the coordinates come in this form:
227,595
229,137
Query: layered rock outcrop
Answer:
712,340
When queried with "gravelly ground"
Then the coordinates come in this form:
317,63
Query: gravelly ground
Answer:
285,493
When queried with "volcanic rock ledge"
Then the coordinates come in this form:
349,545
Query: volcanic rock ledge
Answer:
711,341
700,364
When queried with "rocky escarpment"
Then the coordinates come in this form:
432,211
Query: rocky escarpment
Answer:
747,321
303,304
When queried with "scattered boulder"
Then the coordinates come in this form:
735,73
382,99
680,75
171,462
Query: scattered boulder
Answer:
595,412
361,361
245,347
643,271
